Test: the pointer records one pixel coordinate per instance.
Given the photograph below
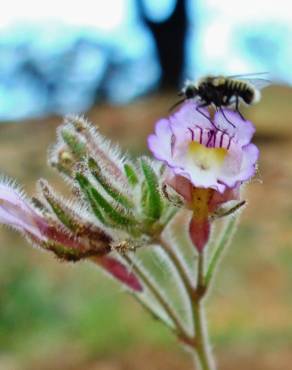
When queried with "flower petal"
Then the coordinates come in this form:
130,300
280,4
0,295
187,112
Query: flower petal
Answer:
188,116
240,165
192,147
16,212
249,161
160,142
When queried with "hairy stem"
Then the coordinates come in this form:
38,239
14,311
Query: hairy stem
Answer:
200,340
179,329
179,266
202,347
190,289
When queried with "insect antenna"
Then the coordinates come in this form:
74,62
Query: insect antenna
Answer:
176,104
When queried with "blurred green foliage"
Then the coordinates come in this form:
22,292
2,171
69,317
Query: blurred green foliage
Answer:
52,304
49,305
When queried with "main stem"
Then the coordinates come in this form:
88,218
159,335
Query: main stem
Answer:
202,347
200,341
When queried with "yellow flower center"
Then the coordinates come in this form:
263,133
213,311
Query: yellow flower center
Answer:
206,158
200,202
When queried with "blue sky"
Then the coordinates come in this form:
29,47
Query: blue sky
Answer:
225,36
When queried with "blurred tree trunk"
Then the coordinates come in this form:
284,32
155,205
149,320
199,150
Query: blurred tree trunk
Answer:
169,37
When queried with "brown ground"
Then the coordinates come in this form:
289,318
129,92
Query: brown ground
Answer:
158,359
258,297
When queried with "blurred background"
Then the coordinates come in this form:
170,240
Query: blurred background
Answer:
121,62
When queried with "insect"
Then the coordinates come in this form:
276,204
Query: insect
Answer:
123,247
224,91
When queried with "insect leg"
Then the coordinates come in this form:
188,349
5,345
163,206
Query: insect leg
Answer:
223,114
203,105
237,108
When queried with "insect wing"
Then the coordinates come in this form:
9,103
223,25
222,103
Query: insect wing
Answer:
249,75
258,83
254,79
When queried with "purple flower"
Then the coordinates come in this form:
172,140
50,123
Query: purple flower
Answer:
210,156
207,162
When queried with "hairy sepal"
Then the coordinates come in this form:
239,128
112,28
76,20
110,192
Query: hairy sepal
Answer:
107,155
151,196
104,210
74,218
75,142
108,186
131,174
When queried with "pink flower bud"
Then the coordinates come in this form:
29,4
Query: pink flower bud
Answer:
199,230
17,211
119,271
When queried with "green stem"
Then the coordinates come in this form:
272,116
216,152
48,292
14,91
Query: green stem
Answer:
200,276
202,346
190,289
201,349
180,331
179,266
